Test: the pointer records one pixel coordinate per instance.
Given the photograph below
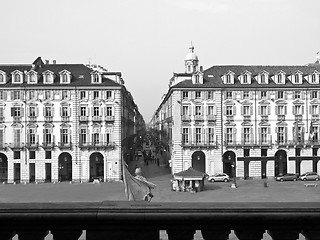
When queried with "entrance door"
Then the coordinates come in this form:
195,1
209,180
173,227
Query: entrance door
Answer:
32,172
263,169
48,172
198,161
246,169
65,167
16,172
314,165
280,166
298,168
3,168
227,168
96,166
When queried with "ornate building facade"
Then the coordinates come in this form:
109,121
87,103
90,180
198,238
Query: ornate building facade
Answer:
63,122
247,121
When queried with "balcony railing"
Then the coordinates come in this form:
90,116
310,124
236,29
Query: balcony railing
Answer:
198,118
17,119
211,118
281,117
142,220
197,144
48,119
109,118
96,145
32,118
32,145
264,118
2,119
247,118
248,143
65,119
298,118
83,118
315,118
186,118
64,145
48,145
96,118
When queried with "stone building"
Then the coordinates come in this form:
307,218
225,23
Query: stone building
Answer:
248,121
63,122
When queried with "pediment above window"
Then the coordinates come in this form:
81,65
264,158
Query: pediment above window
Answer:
48,125
229,102
32,125
281,124
264,102
281,102
298,101
315,101
247,102
65,125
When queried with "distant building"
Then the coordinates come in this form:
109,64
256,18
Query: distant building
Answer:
63,122
248,121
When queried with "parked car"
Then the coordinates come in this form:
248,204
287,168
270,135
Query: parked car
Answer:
287,177
309,176
219,177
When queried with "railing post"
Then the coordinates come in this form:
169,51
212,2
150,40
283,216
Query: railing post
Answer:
284,233
66,234
249,233
215,233
181,234
32,234
6,234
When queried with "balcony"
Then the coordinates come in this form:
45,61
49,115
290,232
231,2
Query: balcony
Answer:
143,220
281,118
315,118
16,145
48,119
63,145
264,118
199,144
83,118
96,118
2,119
247,118
32,119
186,118
109,118
298,118
198,118
97,145
65,119
32,145
230,118
250,143
17,119
48,145
211,118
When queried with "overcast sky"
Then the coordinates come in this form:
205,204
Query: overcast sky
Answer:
148,40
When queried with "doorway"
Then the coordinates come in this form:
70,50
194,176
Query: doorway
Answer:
280,166
3,168
32,172
16,173
48,172
199,161
96,166
65,167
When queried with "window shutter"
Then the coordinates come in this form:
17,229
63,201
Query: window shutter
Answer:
60,111
242,135
37,111
310,110
268,110
28,111
293,110
69,112
92,112
234,95
303,95
224,110
277,110
234,111
11,94
259,110
21,111
4,95
87,112
285,109
302,109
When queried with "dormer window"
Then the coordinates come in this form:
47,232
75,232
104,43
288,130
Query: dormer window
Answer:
296,78
65,77
96,77
3,77
17,77
245,78
32,77
228,78
263,78
314,77
47,77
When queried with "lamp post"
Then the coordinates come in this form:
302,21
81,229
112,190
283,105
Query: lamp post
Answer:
234,184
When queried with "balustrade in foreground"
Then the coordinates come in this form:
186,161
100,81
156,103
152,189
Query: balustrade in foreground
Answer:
143,220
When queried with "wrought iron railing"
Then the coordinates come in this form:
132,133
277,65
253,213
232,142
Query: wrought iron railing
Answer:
143,220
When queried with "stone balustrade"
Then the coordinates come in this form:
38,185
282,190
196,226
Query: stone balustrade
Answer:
143,220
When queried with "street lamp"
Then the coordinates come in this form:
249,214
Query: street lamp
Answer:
234,184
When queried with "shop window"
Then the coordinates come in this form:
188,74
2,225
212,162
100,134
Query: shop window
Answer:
16,154
32,154
48,155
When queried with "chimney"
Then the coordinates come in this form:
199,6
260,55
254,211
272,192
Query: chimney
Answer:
54,61
47,61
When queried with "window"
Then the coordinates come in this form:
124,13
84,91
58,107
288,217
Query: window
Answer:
281,110
64,111
107,140
185,135
64,136
32,94
264,135
297,110
229,135
185,95
211,135
229,110
263,78
314,135
95,138
32,111
47,95
313,78
297,94
64,95
16,78
16,111
185,110
64,77
198,135
245,78
280,95
83,136
32,78
48,111
229,95
82,94
280,135
109,94
83,111
109,111
2,78
210,110
198,111
16,95
246,135
264,152
315,151
246,152
16,154
298,152
95,94
264,94
314,109
279,78
96,111
32,154
198,95
48,78
314,94
2,95
246,110
210,94
263,110
48,155
246,95
31,136
95,78
47,135
228,78
296,78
